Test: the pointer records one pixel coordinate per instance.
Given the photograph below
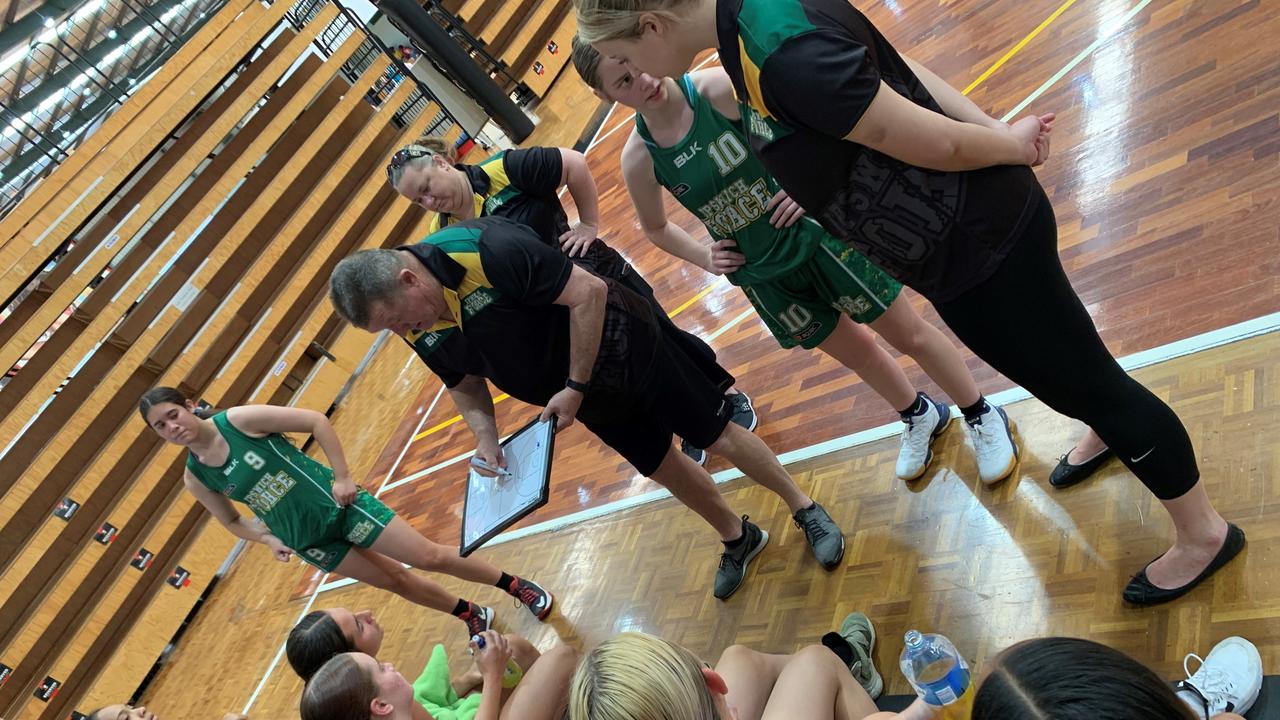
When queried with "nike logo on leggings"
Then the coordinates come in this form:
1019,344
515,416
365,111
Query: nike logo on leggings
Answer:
1143,455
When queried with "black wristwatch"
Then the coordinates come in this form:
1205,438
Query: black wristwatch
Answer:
575,385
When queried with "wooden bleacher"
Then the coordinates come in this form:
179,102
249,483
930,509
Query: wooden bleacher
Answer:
193,236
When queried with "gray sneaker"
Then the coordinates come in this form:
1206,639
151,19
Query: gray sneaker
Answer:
858,631
697,455
823,534
733,563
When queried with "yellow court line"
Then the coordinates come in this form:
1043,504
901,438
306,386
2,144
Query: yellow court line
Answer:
703,293
684,306
1021,44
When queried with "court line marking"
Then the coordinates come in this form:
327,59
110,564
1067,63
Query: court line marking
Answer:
1014,50
1104,36
1145,358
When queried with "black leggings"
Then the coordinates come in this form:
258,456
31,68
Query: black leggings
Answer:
1027,323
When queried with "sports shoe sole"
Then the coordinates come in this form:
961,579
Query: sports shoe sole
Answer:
1010,428
937,432
746,563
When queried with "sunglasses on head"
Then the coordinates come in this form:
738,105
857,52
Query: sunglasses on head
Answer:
404,155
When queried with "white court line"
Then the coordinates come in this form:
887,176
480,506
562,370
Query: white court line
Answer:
1180,348
1183,347
405,449
1104,36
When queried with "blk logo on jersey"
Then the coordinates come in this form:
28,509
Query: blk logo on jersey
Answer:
688,155
680,189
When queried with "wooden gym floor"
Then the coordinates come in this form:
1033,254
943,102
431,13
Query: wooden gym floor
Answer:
1165,178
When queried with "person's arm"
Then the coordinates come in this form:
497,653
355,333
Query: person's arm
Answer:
827,81
475,405
225,513
576,176
646,195
585,296
491,660
954,103
260,420
919,136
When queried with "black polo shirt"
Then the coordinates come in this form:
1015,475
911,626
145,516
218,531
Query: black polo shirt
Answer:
806,71
501,284
523,185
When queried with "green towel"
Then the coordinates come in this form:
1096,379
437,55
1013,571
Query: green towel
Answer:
433,691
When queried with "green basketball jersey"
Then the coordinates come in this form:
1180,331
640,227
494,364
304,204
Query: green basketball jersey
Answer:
713,174
290,492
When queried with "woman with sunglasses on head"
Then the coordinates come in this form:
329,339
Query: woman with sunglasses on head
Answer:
523,185
315,510
897,164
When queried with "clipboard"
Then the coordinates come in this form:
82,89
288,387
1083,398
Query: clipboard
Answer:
491,505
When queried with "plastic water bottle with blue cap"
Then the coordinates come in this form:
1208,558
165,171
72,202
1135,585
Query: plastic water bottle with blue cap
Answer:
939,674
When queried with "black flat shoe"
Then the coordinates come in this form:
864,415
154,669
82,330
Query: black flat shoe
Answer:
1140,591
1066,474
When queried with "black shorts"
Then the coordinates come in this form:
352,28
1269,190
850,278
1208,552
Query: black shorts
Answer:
678,398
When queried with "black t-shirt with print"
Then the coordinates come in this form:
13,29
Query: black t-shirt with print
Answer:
502,283
806,71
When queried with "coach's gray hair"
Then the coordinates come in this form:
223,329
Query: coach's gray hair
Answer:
362,280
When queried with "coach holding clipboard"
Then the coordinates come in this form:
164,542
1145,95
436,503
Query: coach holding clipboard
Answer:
485,298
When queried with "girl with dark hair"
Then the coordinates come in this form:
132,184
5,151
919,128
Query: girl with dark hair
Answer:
129,712
355,686
1071,679
317,511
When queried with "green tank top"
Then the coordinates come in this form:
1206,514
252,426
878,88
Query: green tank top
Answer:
713,174
290,492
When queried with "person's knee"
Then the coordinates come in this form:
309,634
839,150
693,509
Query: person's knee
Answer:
738,655
817,657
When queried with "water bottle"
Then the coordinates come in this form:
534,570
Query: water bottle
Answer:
939,674
511,676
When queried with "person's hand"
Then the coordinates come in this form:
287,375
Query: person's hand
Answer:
1032,132
786,212
491,454
1042,142
723,259
278,548
575,242
344,491
491,660
564,406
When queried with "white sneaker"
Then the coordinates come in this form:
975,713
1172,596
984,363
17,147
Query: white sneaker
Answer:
1228,679
918,433
993,445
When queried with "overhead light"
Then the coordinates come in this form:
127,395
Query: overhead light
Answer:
112,34
50,22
